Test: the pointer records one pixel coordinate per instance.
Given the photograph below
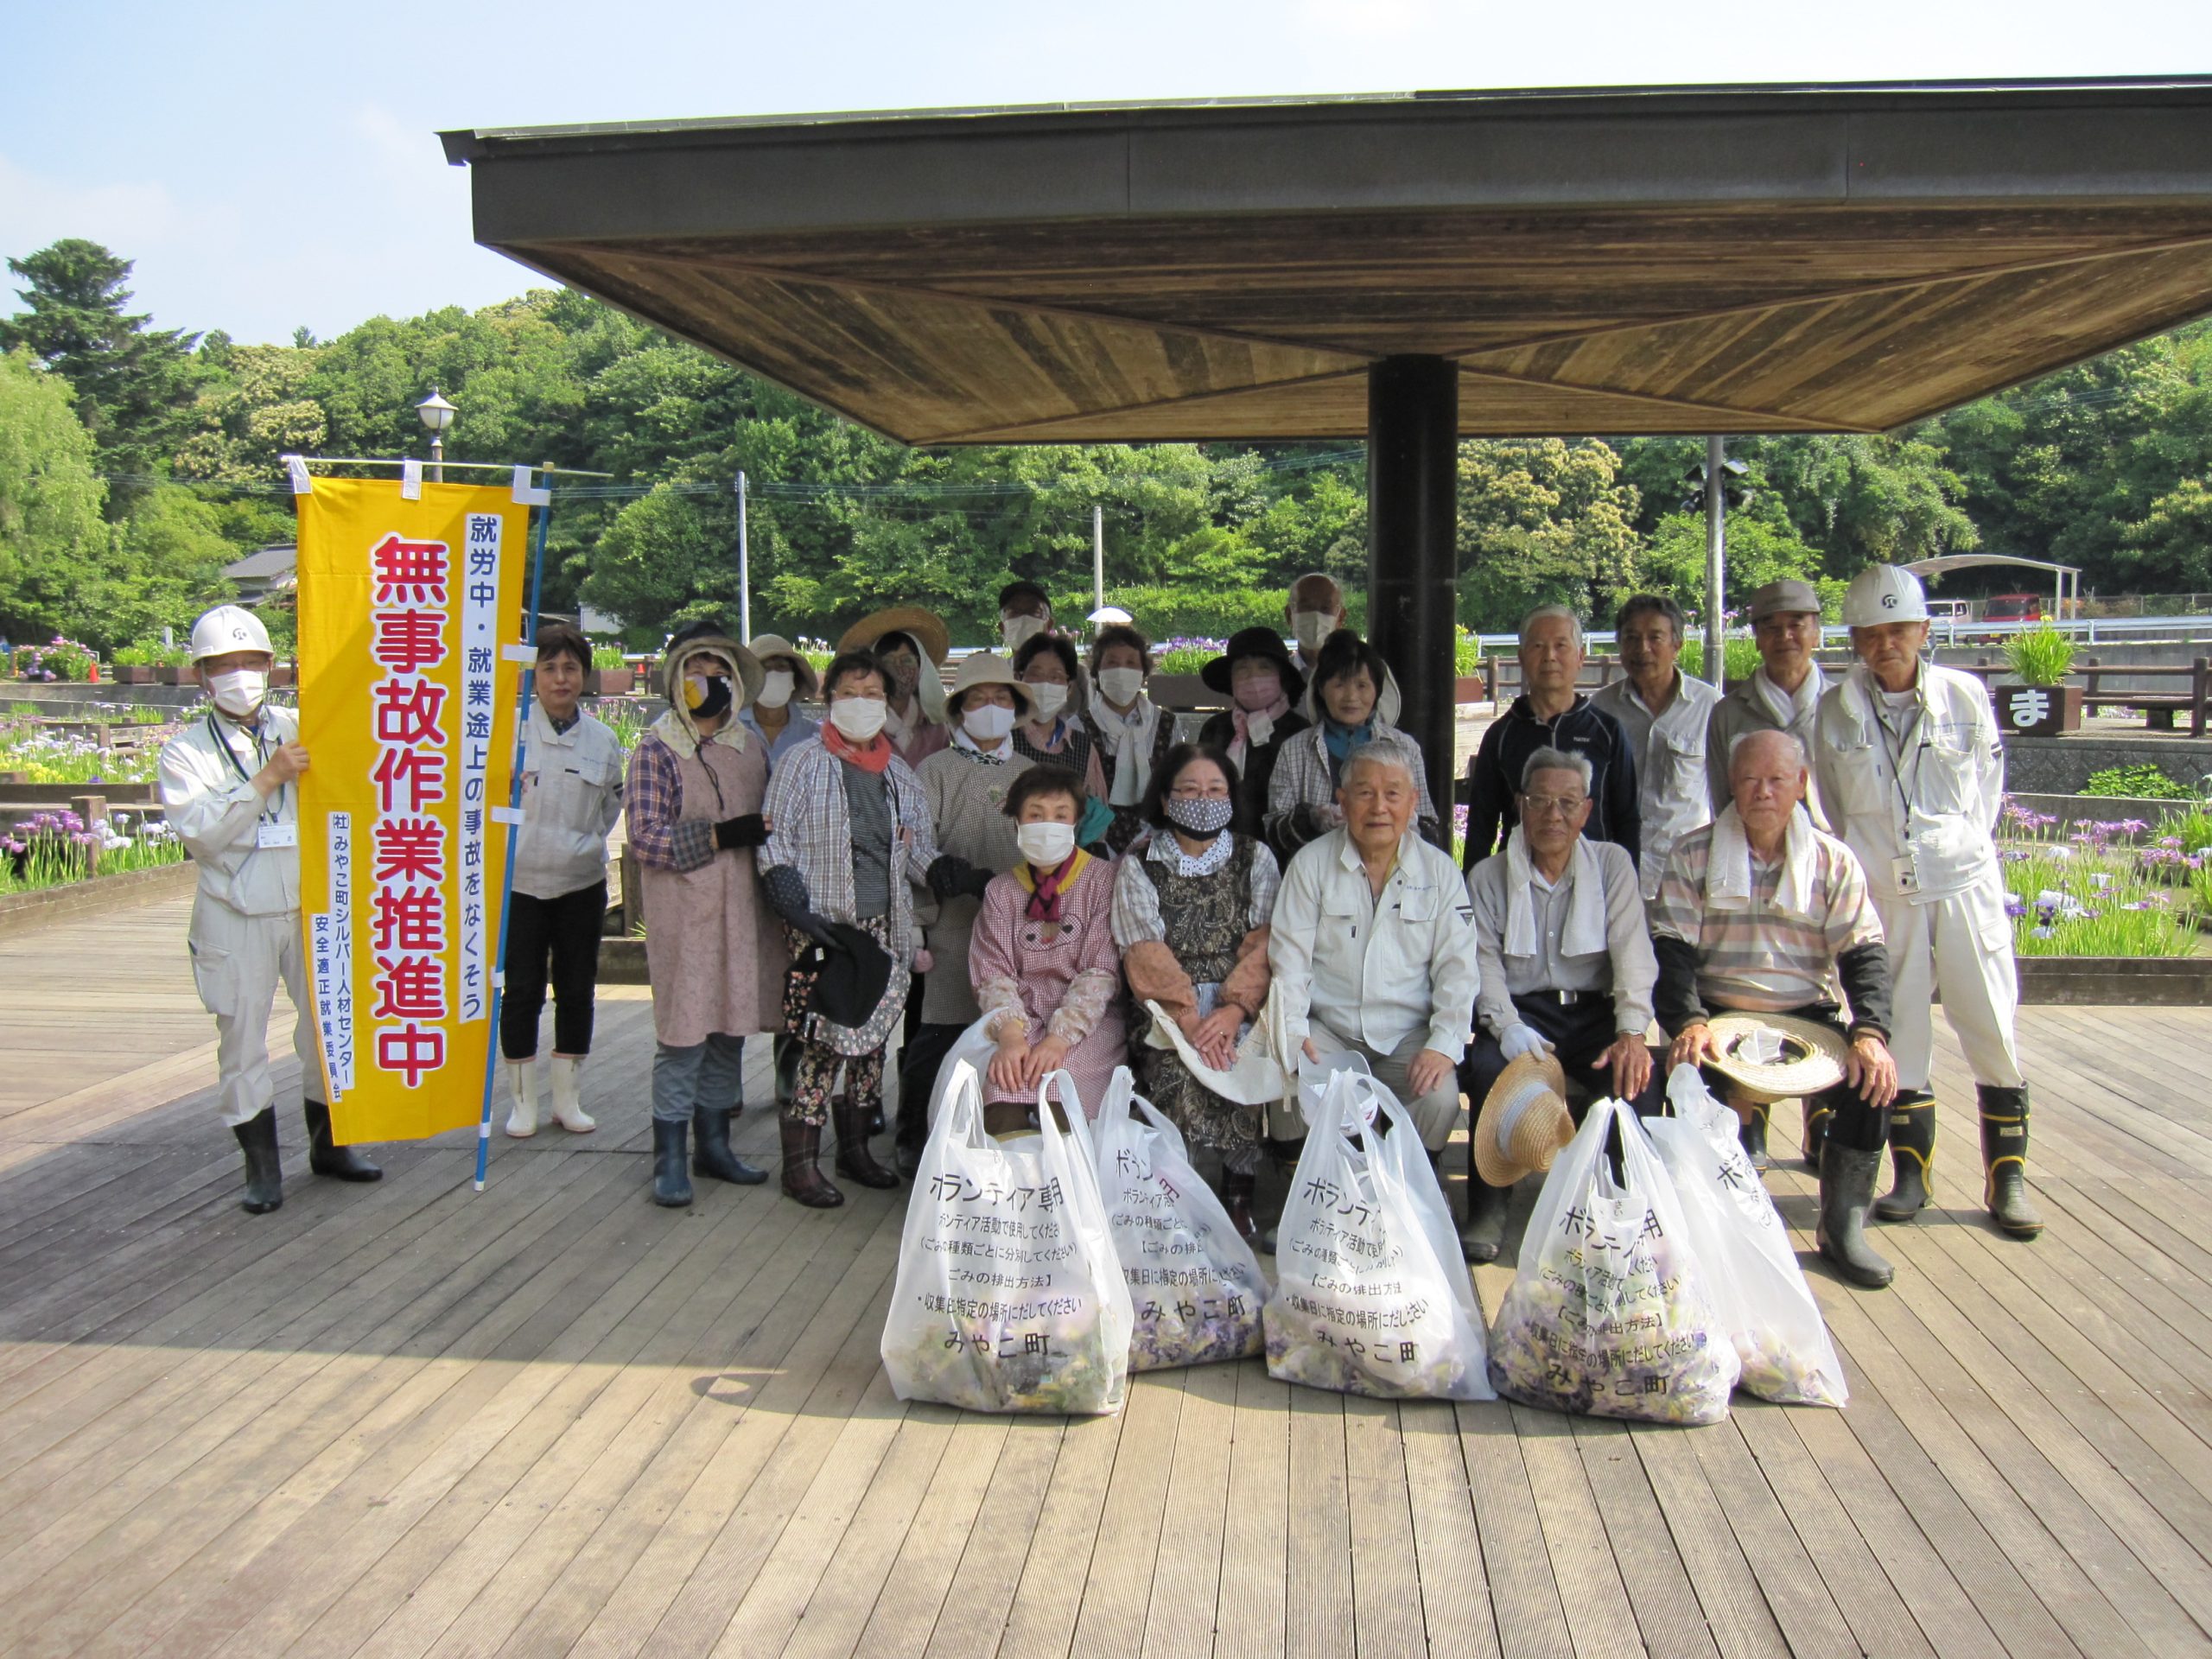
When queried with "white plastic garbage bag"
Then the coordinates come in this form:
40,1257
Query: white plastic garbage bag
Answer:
1752,1272
1009,1295
1371,1296
971,1045
1609,1313
1195,1286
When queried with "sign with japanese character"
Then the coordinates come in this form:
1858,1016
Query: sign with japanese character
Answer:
407,708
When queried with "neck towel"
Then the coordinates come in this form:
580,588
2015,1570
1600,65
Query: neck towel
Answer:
872,756
1585,932
1728,869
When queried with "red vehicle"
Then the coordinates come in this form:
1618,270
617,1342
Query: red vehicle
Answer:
2015,607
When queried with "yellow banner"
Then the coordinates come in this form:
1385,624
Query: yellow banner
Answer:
408,610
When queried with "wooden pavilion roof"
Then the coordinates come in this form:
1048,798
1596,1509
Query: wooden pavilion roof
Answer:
1770,259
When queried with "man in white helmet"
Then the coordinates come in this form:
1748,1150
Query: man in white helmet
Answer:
229,788
1913,777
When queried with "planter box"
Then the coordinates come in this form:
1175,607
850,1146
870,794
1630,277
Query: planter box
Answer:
284,675
132,674
622,962
2037,710
2117,982
166,675
610,682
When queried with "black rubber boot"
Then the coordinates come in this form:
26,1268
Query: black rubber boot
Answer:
1912,1155
265,1175
1847,1176
326,1156
855,1162
671,1185
1816,1129
1752,1135
711,1153
2005,1160
803,1177
1483,1236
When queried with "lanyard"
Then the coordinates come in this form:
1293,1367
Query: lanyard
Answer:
275,807
1897,747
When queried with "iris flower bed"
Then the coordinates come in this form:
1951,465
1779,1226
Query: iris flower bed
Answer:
2096,893
45,757
51,849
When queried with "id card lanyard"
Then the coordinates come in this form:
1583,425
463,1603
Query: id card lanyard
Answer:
268,832
1913,740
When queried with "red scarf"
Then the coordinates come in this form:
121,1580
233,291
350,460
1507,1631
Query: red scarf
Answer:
1050,885
874,758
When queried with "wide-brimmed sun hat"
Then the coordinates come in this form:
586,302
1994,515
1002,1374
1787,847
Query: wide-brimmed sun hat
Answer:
707,638
1524,1120
766,645
1254,642
1770,1056
986,669
926,628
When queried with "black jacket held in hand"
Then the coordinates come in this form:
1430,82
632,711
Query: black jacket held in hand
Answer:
1495,775
1864,969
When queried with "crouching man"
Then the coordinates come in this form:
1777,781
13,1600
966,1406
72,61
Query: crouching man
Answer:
1760,912
230,788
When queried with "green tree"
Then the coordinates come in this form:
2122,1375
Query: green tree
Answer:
134,384
51,528
1543,521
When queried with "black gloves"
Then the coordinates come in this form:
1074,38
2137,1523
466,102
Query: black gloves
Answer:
952,874
787,895
745,831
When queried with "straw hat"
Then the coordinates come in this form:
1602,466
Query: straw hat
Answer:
926,627
769,645
984,669
1529,1104
1811,1056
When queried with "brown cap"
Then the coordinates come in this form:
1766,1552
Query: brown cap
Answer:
1778,598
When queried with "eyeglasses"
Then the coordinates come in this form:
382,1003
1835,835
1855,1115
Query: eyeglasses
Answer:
1541,806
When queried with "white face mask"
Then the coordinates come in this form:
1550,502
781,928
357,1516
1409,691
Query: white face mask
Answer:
1310,628
859,718
1049,699
987,722
1015,630
1121,685
776,688
1045,845
239,691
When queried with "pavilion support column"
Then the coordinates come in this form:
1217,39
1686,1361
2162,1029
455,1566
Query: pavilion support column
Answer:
1413,435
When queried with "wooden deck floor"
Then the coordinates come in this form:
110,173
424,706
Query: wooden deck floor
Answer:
554,1419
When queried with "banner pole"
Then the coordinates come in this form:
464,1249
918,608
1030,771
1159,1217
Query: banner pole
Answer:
543,516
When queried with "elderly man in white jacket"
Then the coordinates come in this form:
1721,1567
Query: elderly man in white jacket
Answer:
1372,948
1913,775
230,788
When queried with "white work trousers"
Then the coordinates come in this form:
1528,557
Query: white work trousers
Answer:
237,961
1958,950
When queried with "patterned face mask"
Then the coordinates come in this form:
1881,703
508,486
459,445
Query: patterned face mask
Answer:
1200,817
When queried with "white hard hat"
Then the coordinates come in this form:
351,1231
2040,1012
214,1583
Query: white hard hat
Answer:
226,629
1883,593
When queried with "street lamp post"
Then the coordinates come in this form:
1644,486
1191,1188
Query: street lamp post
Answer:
437,413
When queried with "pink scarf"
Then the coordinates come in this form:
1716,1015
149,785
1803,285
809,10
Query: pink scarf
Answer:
1240,745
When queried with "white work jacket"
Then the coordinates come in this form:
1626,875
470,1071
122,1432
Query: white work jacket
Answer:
1920,813
1374,969
571,796
218,814
1672,794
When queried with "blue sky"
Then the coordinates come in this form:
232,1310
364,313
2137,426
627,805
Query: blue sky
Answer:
272,165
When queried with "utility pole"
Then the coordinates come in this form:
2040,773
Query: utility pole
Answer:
744,572
1716,546
1097,556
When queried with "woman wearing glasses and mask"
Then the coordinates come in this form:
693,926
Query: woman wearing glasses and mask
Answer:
1191,910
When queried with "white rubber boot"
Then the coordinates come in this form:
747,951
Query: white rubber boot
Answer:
522,1089
568,1110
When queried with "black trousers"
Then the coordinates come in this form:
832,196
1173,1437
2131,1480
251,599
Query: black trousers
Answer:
565,930
927,1045
1580,1033
1852,1122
